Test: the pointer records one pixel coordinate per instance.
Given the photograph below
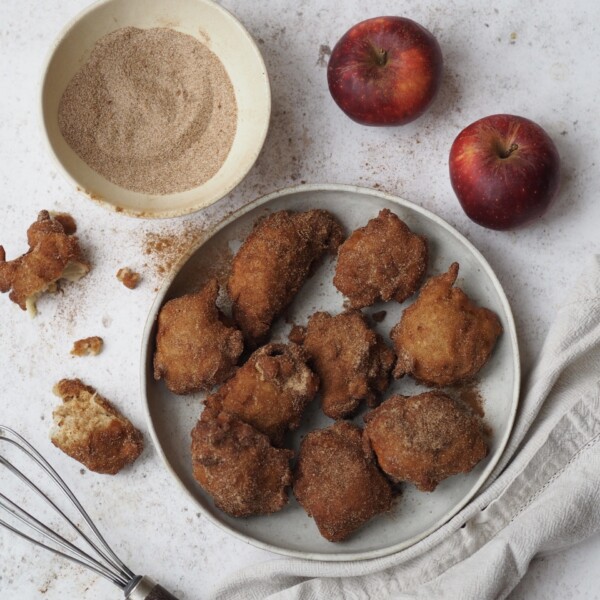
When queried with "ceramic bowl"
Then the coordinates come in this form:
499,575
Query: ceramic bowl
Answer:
210,24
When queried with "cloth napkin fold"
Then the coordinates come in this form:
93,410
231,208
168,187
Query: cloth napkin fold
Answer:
543,496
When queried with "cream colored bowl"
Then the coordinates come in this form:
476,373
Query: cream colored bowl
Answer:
214,27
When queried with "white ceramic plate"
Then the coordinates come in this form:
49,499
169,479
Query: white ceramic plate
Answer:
212,25
416,514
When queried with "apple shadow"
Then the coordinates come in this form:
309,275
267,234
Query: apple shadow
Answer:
447,100
568,197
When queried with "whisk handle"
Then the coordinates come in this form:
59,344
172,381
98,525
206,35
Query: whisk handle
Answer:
146,589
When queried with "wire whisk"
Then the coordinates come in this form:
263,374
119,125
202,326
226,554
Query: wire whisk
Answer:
93,552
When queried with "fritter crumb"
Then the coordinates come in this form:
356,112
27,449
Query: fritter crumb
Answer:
88,346
128,277
92,431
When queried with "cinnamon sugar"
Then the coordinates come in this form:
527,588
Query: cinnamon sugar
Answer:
153,110
167,248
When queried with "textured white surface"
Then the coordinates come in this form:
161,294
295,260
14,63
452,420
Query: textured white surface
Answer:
533,59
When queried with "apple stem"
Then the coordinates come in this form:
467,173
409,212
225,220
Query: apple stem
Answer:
382,57
508,152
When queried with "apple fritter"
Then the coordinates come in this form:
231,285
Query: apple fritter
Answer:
92,431
443,338
352,361
274,262
424,439
270,391
238,467
195,347
54,254
337,481
382,261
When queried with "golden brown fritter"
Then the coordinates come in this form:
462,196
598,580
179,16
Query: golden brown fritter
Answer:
352,361
337,482
424,439
238,467
92,431
270,392
195,348
274,262
382,261
53,254
444,338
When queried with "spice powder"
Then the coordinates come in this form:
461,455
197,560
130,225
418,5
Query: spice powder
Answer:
152,110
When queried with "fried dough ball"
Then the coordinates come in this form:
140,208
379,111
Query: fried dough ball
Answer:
337,482
270,391
274,262
195,348
382,261
352,361
238,467
53,254
91,430
443,338
424,439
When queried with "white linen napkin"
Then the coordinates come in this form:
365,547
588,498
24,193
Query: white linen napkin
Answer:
543,496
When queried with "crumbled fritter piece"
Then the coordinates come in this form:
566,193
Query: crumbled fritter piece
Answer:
238,467
424,439
444,338
53,255
128,277
270,391
352,361
88,346
195,347
92,431
337,481
382,261
274,262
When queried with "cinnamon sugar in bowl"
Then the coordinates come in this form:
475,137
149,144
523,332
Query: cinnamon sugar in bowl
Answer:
140,164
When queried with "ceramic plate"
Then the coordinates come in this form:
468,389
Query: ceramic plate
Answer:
415,514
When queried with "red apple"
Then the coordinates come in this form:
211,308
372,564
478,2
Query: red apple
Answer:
505,171
385,71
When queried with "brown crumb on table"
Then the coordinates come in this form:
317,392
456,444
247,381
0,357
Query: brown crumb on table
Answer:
128,277
91,346
91,430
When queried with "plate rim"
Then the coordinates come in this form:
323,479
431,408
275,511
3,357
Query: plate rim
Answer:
265,199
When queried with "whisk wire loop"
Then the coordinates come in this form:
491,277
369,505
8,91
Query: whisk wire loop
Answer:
114,569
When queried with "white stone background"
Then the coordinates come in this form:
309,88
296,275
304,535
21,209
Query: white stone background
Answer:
537,59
